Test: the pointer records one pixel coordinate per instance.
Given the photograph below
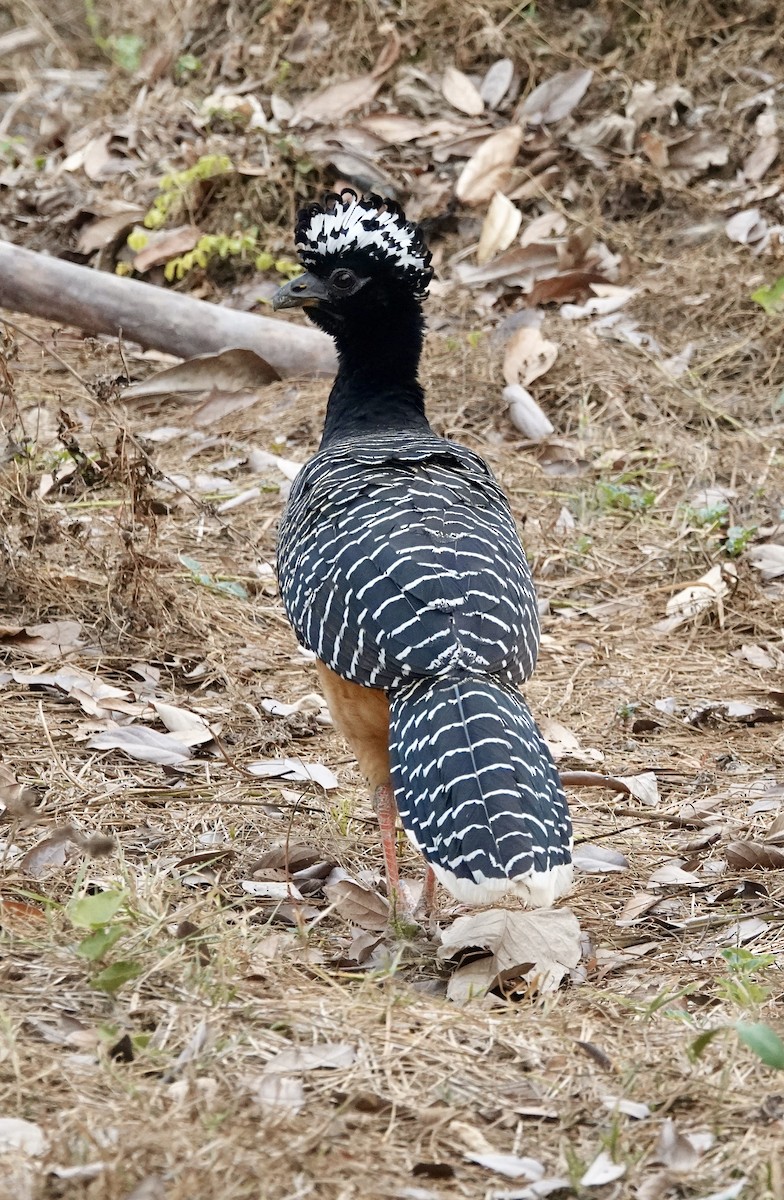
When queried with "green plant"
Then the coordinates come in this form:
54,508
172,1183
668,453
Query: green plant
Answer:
738,538
10,148
770,297
199,575
712,516
623,497
175,189
124,49
186,66
738,987
241,245
99,914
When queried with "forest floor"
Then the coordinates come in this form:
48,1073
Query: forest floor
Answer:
199,997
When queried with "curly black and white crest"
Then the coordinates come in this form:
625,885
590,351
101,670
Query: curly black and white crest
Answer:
373,226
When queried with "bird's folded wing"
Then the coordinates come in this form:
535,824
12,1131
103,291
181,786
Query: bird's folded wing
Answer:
413,569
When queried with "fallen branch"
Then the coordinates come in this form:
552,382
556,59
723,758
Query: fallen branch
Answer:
98,302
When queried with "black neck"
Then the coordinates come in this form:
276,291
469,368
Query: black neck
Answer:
376,388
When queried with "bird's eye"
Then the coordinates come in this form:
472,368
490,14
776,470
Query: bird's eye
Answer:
342,280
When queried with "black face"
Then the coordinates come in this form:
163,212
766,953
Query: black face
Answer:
346,288
343,283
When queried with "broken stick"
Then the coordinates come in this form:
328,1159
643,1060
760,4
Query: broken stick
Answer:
97,302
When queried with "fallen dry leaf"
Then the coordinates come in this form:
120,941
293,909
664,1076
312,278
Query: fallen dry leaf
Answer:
527,356
746,227
768,559
96,697
643,787
753,856
513,1166
526,415
394,128
24,1136
46,855
590,859
699,151
16,799
295,769
357,904
191,729
272,889
52,639
565,745
521,265
672,874
332,1055
677,1151
762,157
229,371
276,1091
337,101
143,744
610,299
489,168
636,907
499,228
165,244
705,593
104,231
497,82
461,93
260,460
543,944
556,97
602,1171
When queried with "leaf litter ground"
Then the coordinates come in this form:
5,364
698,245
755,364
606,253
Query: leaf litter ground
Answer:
200,999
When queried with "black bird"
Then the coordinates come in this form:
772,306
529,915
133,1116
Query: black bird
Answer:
400,566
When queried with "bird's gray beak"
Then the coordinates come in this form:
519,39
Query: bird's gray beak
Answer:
303,292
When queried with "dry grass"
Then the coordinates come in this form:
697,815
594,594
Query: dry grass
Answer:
162,1083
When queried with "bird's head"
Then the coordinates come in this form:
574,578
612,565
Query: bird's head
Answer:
361,258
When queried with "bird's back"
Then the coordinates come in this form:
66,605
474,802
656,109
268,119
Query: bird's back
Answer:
399,558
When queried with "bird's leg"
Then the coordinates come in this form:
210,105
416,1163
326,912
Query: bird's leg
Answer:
427,900
386,811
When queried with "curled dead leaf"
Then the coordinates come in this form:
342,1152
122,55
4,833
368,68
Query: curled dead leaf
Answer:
527,356
337,101
556,97
526,415
228,371
754,856
499,229
489,168
543,944
461,93
357,904
497,82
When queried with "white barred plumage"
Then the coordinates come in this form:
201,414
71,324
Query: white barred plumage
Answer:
401,567
403,570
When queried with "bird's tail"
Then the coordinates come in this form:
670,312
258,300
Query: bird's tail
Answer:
478,792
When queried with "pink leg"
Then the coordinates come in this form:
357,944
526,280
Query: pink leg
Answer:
386,811
428,900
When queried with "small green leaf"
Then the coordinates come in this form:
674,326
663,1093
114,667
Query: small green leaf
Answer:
771,298
126,50
111,978
701,1042
231,588
92,912
764,1041
97,944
